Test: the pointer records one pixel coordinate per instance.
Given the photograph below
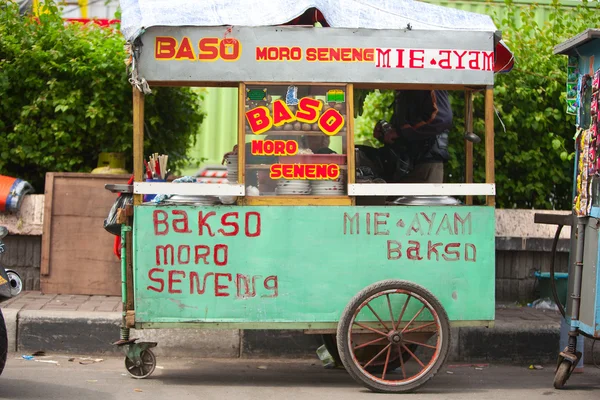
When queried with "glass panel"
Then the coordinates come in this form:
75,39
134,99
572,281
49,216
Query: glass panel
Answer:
296,140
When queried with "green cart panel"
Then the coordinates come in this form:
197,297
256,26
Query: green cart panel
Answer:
303,264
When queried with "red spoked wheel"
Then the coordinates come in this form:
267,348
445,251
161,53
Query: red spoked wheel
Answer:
393,321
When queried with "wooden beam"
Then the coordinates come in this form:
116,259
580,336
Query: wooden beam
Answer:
468,144
138,141
47,225
350,156
489,142
241,138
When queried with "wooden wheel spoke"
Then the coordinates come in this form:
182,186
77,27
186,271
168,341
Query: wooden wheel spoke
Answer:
402,362
391,312
377,355
413,356
387,360
377,316
402,312
368,343
370,329
419,344
419,327
413,318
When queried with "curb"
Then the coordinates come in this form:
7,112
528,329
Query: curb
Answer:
93,333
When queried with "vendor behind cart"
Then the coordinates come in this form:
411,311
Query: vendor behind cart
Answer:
418,131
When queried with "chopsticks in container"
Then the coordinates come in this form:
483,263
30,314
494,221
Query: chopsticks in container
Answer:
156,166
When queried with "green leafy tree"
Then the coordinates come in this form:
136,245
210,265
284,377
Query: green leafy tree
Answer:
533,133
65,97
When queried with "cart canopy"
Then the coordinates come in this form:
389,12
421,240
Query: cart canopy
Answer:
138,15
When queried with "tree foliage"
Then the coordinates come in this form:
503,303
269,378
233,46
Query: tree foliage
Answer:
65,97
533,133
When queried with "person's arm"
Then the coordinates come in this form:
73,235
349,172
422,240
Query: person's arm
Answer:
439,120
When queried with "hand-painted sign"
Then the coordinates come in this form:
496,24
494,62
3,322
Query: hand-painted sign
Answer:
304,264
309,54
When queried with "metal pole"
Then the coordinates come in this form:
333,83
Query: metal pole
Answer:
576,296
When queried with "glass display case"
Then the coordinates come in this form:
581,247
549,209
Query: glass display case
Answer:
295,140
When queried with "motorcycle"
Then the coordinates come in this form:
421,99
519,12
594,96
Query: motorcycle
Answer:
10,286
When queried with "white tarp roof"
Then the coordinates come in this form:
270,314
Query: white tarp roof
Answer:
370,14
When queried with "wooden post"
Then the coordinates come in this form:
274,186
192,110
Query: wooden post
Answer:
138,141
469,144
489,142
241,138
350,153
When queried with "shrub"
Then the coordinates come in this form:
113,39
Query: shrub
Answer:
65,97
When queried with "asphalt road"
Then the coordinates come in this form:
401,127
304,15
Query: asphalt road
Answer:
178,379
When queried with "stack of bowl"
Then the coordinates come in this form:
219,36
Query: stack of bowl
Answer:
232,168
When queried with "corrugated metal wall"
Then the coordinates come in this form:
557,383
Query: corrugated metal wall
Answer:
217,135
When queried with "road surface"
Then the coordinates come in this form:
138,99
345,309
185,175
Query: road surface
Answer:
179,379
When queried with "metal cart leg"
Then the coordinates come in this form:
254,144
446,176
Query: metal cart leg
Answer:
569,357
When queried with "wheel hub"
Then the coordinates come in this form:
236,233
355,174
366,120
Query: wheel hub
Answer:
395,337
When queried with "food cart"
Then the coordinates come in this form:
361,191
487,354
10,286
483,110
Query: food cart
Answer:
583,306
286,243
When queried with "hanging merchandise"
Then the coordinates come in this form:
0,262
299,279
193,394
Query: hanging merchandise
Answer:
572,77
582,200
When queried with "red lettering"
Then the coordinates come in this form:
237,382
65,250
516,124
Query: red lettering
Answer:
234,225
185,50
281,113
208,49
378,222
202,223
274,286
180,259
472,247
400,53
460,59
248,291
279,147
432,249
261,53
202,252
369,55
259,120
218,286
331,122
393,250
291,147
322,54
454,253
311,54
308,110
164,48
488,60
194,278
230,49
474,62
383,58
414,252
257,147
256,231
223,260
160,281
157,221
173,280
168,249
368,223
275,171
414,59
183,220
445,63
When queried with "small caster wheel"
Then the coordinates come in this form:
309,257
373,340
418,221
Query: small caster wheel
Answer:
563,372
146,367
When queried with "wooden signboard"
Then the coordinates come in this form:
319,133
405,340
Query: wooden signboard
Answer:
77,253
283,264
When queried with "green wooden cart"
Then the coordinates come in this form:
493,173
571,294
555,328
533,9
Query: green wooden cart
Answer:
297,241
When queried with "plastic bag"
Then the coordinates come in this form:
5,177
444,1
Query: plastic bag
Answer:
110,223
